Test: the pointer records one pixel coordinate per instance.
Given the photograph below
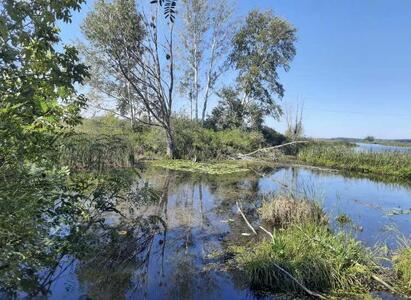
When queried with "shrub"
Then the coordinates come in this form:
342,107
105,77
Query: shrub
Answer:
197,143
109,141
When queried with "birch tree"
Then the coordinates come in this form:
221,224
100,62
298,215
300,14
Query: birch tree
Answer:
195,24
222,30
206,31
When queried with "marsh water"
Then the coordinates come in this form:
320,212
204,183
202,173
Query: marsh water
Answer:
188,259
378,148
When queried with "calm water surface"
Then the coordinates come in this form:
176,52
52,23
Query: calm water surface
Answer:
187,260
378,148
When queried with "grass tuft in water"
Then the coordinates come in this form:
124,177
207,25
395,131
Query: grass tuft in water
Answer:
281,211
320,259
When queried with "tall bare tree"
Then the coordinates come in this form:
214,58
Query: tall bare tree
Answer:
294,120
136,53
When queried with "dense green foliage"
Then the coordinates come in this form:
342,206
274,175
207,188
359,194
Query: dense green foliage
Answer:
402,265
109,141
232,112
262,46
45,213
394,164
37,81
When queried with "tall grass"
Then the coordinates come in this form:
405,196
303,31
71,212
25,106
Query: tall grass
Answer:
396,164
109,141
402,265
304,245
82,151
320,259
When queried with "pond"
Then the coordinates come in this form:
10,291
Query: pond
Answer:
187,260
378,148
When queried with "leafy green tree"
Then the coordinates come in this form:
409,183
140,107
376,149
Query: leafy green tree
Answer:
369,138
37,101
114,27
263,45
232,113
37,80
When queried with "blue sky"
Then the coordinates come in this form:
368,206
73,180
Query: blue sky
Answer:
352,70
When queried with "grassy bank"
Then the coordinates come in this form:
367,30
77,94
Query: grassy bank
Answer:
305,253
110,142
394,164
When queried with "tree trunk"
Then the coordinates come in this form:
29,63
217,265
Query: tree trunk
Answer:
170,143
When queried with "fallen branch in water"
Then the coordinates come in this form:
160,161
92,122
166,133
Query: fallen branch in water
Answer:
309,292
387,286
275,147
245,219
267,232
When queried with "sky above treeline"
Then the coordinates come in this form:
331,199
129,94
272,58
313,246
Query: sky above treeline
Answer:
352,71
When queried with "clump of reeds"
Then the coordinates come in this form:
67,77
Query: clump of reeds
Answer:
281,211
316,257
82,151
305,255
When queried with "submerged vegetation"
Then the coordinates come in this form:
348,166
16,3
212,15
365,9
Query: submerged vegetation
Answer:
394,164
219,168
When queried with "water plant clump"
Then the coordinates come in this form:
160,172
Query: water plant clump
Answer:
305,255
318,258
281,211
395,164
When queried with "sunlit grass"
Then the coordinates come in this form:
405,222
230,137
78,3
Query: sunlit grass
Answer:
323,260
397,164
320,259
281,211
402,265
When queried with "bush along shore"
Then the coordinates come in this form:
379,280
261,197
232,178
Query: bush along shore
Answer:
393,164
110,142
304,255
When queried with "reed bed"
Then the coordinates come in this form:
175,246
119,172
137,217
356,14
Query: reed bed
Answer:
396,164
97,152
